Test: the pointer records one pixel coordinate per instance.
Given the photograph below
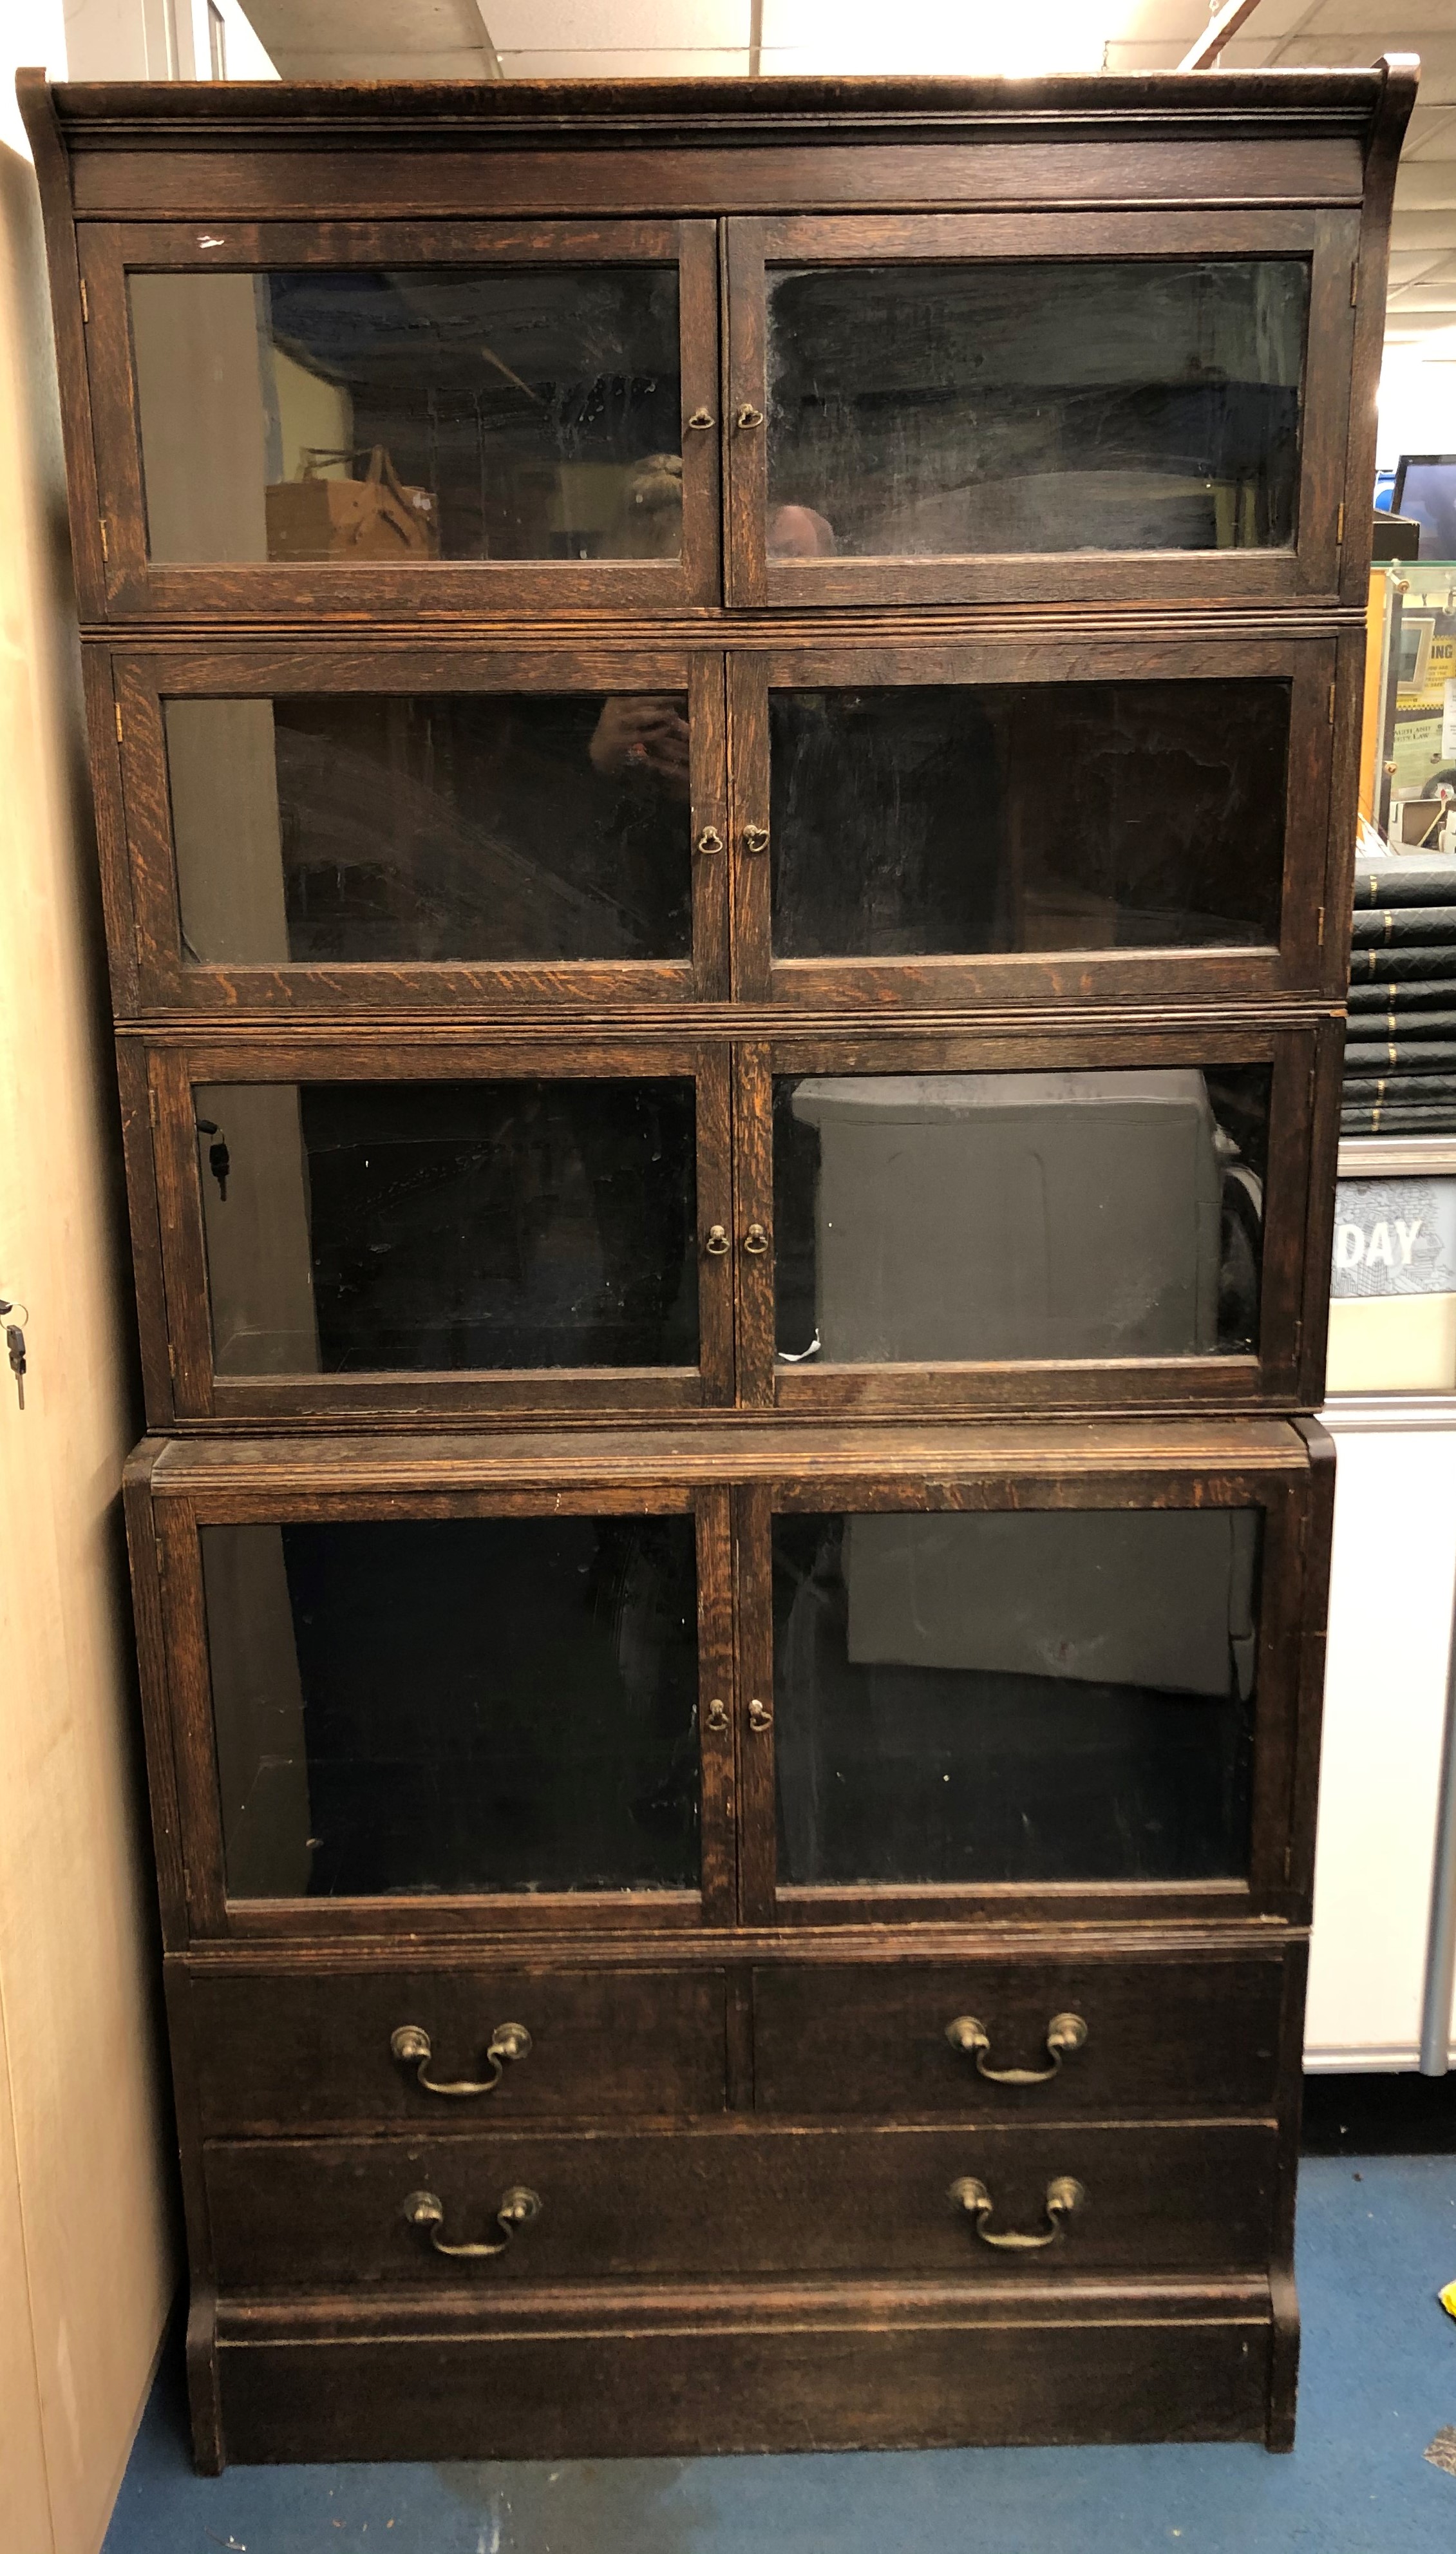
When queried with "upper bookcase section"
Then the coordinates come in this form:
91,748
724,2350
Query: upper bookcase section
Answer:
454,351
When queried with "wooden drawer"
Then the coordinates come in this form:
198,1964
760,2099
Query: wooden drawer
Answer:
743,2202
310,2049
649,2376
1181,2035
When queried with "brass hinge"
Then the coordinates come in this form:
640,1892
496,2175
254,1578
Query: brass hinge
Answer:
172,1360
1354,285
1319,941
730,1813
1289,1862
85,304
105,545
1340,528
1332,693
154,1108
118,723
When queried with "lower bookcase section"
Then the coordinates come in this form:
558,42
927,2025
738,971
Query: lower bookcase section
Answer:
663,2372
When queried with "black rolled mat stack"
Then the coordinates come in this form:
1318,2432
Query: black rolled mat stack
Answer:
1400,1049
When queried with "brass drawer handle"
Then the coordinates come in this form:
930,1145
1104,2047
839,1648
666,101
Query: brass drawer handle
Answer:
702,418
749,418
412,2047
756,838
1063,2197
1066,2031
717,1715
710,841
718,1244
755,1242
518,2207
759,1715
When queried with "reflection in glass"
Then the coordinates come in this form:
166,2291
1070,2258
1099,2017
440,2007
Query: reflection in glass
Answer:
1019,816
950,1217
1037,1697
357,1226
930,411
462,1704
376,417
350,828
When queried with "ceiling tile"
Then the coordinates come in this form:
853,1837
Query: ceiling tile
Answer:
1162,21
944,36
1370,30
659,63
622,26
1427,185
1427,297
1430,134
1409,263
1421,230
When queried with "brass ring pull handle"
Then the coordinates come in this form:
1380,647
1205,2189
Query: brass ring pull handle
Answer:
710,841
518,2207
755,1242
701,419
759,1715
718,1244
1066,2031
756,838
1063,2197
749,418
412,2047
717,1715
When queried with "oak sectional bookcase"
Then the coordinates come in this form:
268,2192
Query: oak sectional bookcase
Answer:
723,727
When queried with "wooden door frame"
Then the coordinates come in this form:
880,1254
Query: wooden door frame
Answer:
1288,1688
1330,238
164,1175
167,1569
145,888
1285,1373
1306,961
447,589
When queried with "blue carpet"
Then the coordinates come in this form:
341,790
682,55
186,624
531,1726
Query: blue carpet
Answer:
1377,2238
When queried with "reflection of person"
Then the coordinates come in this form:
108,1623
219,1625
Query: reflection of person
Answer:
796,531
638,731
652,518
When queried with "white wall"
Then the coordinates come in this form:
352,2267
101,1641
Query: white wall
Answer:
158,39
86,2258
1385,1712
1417,402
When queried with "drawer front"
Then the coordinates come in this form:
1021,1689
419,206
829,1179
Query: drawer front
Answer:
294,2050
741,2202
895,2381
1159,2036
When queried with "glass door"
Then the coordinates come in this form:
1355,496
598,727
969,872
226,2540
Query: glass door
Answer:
998,1691
314,833
1065,1221
953,408
396,1229
467,1708
399,418
1031,821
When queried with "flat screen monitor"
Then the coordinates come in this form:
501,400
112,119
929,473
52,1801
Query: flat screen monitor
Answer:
1425,492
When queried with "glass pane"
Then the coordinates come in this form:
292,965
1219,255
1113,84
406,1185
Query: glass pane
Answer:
445,1225
1021,816
948,1217
1035,1696
930,411
385,416
474,1703
349,828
